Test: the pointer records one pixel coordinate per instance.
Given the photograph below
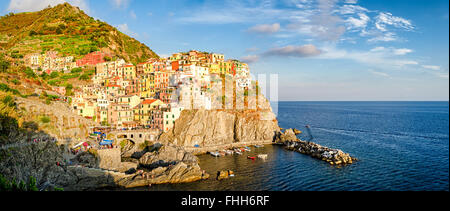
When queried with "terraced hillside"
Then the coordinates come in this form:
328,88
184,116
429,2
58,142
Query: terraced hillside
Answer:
68,30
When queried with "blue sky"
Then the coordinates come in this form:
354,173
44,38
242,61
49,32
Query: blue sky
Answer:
321,49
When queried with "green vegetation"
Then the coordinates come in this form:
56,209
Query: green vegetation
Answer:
9,101
76,70
45,119
4,65
5,88
70,32
15,82
30,73
7,185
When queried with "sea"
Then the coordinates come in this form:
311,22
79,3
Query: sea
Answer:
401,146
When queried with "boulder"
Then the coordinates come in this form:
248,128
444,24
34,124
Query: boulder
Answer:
222,175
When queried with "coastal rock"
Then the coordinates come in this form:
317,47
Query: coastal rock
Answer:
222,175
297,132
214,129
178,173
332,156
167,155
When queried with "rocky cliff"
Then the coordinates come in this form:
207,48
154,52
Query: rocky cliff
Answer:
201,130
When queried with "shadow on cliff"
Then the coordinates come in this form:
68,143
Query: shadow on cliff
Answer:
26,152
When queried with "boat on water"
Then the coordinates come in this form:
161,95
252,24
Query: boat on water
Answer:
222,153
247,149
251,158
262,156
215,154
259,146
229,152
230,173
237,151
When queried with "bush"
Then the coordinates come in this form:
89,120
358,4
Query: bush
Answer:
45,119
30,125
85,77
76,70
54,75
4,65
5,88
15,81
8,125
33,33
9,101
30,73
6,185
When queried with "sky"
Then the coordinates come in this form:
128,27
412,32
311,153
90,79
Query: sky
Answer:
321,50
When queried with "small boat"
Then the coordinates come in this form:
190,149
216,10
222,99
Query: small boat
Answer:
247,149
262,156
259,146
237,151
215,154
252,158
230,173
229,152
222,153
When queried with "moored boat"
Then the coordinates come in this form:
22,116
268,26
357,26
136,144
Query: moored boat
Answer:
262,156
215,154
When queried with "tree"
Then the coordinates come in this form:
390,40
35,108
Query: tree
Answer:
4,65
33,33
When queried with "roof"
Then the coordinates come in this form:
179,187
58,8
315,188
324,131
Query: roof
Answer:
113,85
149,101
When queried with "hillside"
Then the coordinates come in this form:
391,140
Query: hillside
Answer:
69,31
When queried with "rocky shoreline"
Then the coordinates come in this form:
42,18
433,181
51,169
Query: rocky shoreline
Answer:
331,156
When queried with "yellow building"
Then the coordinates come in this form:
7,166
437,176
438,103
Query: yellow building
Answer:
147,85
128,72
214,68
86,109
132,100
143,112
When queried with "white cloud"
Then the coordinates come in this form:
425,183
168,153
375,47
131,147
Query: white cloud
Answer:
380,73
384,37
351,1
295,51
120,3
387,19
33,5
431,67
379,57
442,75
402,51
265,28
133,14
250,59
361,22
126,30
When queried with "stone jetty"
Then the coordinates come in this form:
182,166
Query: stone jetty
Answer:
332,156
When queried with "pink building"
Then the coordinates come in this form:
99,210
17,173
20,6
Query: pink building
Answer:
93,59
133,88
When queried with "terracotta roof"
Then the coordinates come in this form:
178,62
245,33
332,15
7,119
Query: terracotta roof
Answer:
113,86
149,101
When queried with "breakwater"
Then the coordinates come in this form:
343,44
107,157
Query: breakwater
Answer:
332,156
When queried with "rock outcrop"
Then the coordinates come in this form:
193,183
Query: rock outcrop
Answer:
167,155
332,156
205,130
67,126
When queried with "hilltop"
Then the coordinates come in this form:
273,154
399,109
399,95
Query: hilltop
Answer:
69,31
